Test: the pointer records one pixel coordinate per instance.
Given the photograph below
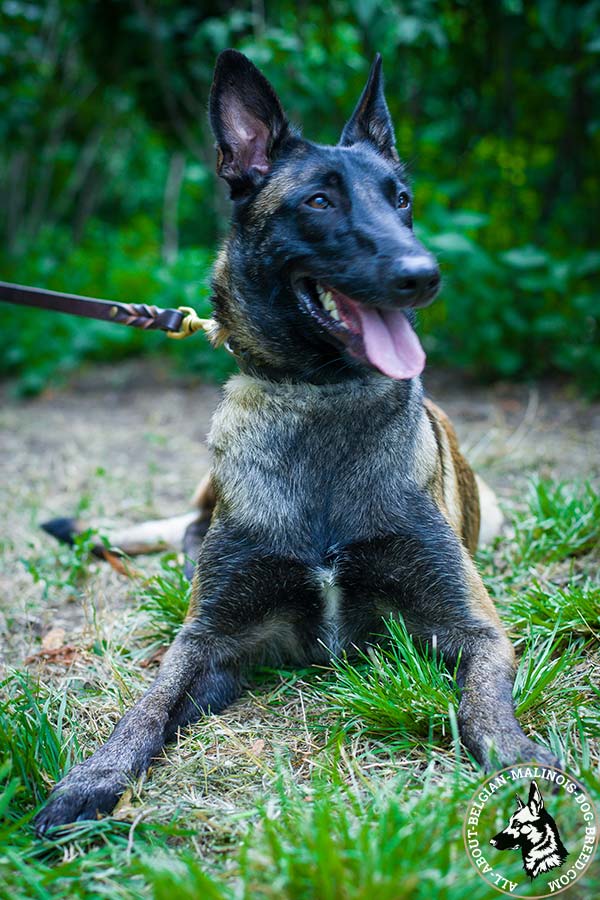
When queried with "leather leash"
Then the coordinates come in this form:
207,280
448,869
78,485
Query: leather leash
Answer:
178,323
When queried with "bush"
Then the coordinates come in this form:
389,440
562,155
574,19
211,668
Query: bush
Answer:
513,314
106,163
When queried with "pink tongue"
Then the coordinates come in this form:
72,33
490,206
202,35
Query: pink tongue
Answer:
390,343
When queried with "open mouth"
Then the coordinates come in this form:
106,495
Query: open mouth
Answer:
380,336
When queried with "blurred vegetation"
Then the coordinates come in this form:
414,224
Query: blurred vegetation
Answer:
106,163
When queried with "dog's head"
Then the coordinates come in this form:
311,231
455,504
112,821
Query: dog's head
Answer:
321,271
526,826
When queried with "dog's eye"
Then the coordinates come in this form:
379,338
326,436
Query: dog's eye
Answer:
319,201
403,200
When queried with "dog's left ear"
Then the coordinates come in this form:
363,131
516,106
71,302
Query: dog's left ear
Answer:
371,120
536,801
246,118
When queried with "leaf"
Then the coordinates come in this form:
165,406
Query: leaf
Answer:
528,257
65,655
452,243
53,639
469,219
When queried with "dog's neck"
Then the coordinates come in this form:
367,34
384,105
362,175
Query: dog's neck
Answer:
371,384
351,406
336,371
330,379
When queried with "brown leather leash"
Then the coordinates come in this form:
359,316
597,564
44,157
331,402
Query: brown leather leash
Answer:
178,323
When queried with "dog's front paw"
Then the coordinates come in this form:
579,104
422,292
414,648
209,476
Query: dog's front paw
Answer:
532,752
520,750
83,794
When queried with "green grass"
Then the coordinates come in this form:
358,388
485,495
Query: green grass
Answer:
395,690
36,735
348,783
561,521
570,611
64,568
347,835
165,598
406,694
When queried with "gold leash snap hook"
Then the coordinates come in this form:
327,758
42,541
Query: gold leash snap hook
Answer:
190,324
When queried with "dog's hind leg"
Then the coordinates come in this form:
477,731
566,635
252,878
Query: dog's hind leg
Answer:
153,536
469,503
492,517
192,544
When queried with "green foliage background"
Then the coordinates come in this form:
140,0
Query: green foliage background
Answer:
106,163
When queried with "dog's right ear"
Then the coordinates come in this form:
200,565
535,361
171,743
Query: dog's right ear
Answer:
247,120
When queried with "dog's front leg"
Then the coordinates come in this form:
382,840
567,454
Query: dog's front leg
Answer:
486,673
425,574
242,606
199,674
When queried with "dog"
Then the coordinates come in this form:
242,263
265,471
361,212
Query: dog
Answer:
337,496
534,831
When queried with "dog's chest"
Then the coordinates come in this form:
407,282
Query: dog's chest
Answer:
307,468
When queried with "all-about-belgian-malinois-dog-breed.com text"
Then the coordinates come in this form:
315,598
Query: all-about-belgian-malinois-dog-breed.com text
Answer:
337,495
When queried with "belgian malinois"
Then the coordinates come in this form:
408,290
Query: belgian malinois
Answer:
337,494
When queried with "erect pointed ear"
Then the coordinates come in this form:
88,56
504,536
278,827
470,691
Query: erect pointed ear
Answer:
536,801
520,803
246,118
371,120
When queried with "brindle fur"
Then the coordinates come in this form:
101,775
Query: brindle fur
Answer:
337,496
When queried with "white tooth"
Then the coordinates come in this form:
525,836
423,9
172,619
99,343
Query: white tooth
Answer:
329,304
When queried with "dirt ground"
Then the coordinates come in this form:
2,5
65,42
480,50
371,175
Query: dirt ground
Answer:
128,442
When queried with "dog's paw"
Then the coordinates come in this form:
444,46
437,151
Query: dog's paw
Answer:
64,529
83,794
541,755
519,751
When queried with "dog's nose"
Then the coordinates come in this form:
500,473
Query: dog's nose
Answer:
417,278
493,842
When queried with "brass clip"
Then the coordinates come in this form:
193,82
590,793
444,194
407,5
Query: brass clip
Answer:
191,324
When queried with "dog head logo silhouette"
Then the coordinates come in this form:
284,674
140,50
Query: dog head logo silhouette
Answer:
533,830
